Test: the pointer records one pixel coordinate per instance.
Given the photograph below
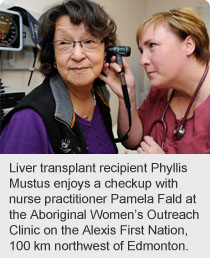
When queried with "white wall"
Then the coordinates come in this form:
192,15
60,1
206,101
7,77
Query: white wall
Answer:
127,14
34,7
154,6
160,5
22,60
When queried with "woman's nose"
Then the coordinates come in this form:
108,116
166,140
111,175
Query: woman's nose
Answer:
78,52
144,60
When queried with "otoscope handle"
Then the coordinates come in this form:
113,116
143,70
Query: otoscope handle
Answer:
128,107
119,60
126,96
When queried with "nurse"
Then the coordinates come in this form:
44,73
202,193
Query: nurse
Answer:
174,117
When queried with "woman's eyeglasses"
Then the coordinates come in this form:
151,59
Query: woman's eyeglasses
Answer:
67,46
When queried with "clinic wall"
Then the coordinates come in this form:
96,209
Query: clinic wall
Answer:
154,6
161,5
126,13
10,62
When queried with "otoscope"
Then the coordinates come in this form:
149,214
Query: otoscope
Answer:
120,51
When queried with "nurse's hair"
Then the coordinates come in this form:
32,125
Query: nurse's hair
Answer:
182,22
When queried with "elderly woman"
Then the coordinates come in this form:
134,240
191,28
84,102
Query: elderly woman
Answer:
69,112
174,118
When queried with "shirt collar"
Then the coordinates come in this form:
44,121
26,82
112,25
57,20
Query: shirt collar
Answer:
64,108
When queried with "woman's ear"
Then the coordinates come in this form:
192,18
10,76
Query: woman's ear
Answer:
190,45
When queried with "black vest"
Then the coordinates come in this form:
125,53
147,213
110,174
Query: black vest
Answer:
63,138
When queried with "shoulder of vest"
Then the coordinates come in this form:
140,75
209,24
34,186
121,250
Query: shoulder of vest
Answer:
40,99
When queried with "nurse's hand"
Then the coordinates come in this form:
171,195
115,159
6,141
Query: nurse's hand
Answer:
111,77
149,146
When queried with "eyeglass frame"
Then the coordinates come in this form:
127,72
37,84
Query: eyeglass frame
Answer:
81,42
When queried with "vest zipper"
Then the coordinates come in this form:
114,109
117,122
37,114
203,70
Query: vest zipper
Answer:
61,121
